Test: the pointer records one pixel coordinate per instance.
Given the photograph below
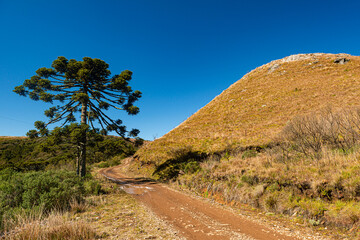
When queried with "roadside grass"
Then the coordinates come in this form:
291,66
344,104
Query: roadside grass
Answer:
297,190
110,214
57,225
323,192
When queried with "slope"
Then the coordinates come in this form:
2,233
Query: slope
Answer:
256,107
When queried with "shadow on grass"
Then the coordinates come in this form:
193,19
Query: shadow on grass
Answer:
132,181
187,161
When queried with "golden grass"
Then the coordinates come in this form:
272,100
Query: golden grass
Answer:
12,137
254,109
55,226
296,188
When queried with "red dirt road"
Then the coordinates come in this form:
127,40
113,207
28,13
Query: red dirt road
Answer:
193,218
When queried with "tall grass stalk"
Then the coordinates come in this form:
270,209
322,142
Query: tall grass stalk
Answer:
57,225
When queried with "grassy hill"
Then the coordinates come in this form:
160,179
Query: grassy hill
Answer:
285,138
253,110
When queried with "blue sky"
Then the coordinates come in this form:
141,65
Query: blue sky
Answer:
182,53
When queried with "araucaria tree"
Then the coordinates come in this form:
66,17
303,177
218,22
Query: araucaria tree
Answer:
83,89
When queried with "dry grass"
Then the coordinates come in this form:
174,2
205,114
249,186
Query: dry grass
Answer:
312,173
55,226
79,206
324,192
254,109
114,215
12,137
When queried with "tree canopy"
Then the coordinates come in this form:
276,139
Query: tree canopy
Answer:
83,89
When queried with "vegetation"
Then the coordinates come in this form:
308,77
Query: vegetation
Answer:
269,141
112,214
39,201
253,110
272,141
85,87
50,189
36,200
40,193
310,171
25,154
309,134
55,226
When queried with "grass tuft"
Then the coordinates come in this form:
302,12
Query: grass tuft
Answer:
56,226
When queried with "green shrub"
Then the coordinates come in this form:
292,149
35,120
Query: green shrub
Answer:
249,154
116,160
167,173
271,202
50,189
11,190
41,191
251,180
273,187
192,167
103,165
93,187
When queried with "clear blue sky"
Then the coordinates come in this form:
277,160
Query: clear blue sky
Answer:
182,53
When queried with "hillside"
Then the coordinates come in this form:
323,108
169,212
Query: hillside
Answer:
26,154
255,108
285,139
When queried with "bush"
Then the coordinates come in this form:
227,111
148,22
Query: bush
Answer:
39,190
103,165
184,160
116,160
271,202
11,189
249,154
251,180
192,167
51,189
309,134
93,187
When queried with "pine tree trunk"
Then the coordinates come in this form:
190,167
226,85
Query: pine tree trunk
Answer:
83,141
83,157
78,160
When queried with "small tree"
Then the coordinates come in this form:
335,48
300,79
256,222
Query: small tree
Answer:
84,87
72,134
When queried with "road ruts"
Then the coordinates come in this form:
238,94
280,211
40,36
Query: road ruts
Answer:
193,218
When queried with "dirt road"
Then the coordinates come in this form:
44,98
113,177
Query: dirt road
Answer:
193,218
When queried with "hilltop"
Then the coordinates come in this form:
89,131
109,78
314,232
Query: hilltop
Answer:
285,138
253,110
